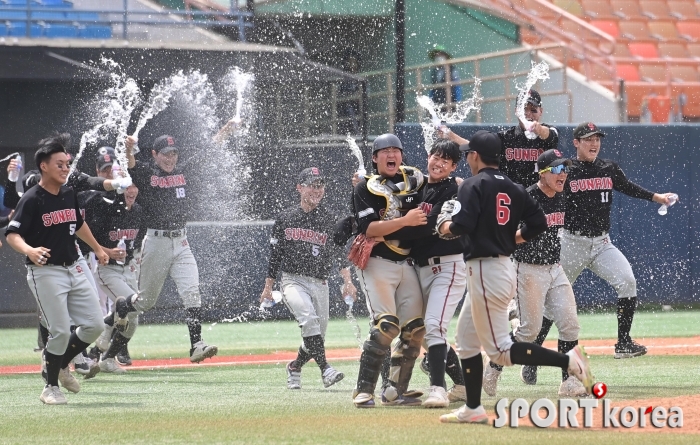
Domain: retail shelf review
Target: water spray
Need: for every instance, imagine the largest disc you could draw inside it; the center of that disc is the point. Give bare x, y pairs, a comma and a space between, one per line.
539, 71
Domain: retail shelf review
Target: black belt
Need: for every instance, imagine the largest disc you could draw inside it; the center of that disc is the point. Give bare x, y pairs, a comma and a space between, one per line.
170, 233
589, 234
61, 264
428, 262
407, 260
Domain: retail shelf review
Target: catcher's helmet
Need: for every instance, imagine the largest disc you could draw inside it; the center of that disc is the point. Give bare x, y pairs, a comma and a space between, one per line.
385, 141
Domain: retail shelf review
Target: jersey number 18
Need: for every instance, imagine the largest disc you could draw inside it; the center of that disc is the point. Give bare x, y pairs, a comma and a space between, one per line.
502, 212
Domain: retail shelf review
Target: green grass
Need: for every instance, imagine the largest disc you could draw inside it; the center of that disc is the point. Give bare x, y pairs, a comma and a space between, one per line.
250, 404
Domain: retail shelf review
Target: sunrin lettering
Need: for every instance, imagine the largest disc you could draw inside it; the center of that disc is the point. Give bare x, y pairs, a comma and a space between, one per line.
307, 235
59, 217
130, 234
523, 154
582, 185
166, 182
555, 219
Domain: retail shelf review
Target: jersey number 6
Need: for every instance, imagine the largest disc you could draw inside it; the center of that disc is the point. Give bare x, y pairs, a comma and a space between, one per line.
502, 212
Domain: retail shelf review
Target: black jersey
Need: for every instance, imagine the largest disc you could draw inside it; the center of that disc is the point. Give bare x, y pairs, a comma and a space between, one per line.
165, 197
427, 244
544, 248
491, 209
77, 181
302, 244
589, 196
519, 155
48, 220
110, 221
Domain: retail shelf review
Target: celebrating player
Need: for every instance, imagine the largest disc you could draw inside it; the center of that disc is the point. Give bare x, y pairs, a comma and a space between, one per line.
46, 222
384, 203
302, 248
489, 209
165, 195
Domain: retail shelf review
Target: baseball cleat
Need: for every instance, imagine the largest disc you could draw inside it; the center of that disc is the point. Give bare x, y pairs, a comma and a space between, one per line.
363, 400
457, 393
94, 370
202, 351
121, 310
123, 357
293, 377
437, 398
424, 365
629, 350
82, 364
491, 377
66, 379
413, 393
512, 310
110, 365
580, 368
572, 387
466, 415
391, 398
52, 395
528, 374
331, 376
105, 338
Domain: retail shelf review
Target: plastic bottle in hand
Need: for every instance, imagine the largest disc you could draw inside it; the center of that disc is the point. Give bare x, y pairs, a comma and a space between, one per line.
14, 174
276, 298
122, 246
664, 208
349, 301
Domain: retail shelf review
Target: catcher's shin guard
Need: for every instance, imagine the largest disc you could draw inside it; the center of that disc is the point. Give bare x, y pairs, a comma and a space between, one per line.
405, 353
374, 349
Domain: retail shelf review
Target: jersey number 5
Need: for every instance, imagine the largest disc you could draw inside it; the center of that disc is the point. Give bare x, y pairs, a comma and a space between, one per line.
71, 229
502, 212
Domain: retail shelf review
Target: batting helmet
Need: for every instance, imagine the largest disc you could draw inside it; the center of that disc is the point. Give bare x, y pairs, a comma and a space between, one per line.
385, 141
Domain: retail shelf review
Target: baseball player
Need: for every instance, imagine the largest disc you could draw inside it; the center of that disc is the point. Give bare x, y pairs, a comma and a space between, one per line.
165, 196
489, 209
585, 241
441, 272
303, 250
383, 203
541, 282
46, 222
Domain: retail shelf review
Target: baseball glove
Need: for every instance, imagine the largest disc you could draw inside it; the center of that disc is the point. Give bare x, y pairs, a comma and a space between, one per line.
446, 215
360, 250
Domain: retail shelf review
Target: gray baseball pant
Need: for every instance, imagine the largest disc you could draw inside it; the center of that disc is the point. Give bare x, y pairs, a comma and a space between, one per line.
119, 281
391, 287
307, 299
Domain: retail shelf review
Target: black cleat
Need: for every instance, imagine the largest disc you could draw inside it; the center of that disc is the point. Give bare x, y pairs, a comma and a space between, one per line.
123, 356
629, 349
528, 374
424, 365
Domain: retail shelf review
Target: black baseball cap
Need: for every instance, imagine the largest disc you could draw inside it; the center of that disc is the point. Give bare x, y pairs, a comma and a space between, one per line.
551, 158
105, 157
486, 143
310, 175
164, 144
534, 98
587, 129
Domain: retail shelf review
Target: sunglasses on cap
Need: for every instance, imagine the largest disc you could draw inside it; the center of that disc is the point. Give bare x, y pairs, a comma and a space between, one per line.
561, 168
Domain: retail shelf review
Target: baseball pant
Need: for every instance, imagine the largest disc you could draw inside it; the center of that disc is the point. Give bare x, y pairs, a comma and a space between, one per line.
307, 300
391, 287
105, 302
483, 320
601, 257
161, 256
539, 287
119, 281
443, 286
64, 293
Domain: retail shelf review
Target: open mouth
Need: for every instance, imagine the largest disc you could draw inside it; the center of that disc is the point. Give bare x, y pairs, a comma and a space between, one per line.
391, 164
560, 183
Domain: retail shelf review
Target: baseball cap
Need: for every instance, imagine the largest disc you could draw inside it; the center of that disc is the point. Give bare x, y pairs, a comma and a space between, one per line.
534, 98
486, 143
551, 158
105, 157
310, 175
164, 144
587, 129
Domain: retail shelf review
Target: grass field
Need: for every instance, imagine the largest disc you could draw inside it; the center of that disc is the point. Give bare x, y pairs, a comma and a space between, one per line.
250, 404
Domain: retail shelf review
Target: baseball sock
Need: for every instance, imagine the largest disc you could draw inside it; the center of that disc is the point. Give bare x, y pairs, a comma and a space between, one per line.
564, 347
193, 324
452, 367
544, 331
437, 358
625, 315
535, 355
53, 367
386, 366
302, 358
473, 371
118, 342
43, 336
314, 345
75, 346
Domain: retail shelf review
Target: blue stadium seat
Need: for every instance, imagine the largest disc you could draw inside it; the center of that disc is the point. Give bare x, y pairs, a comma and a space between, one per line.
46, 15
56, 3
95, 32
19, 29
16, 3
61, 31
3, 30
88, 16
12, 15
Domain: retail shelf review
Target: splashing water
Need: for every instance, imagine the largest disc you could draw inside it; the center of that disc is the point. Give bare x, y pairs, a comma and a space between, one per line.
358, 154
241, 80
159, 98
238, 82
437, 116
355, 327
8, 157
539, 71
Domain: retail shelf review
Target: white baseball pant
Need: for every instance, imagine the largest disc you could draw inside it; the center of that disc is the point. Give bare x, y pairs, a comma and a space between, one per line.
307, 299
391, 287
119, 281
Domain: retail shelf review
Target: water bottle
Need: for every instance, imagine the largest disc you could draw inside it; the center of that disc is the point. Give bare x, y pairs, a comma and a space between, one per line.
361, 172
14, 174
349, 301
122, 246
664, 208
136, 150
276, 298
116, 170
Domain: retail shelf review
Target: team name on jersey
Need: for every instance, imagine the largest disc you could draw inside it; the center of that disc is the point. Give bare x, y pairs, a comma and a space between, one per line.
523, 154
426, 207
582, 185
59, 217
555, 219
166, 182
115, 235
307, 235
